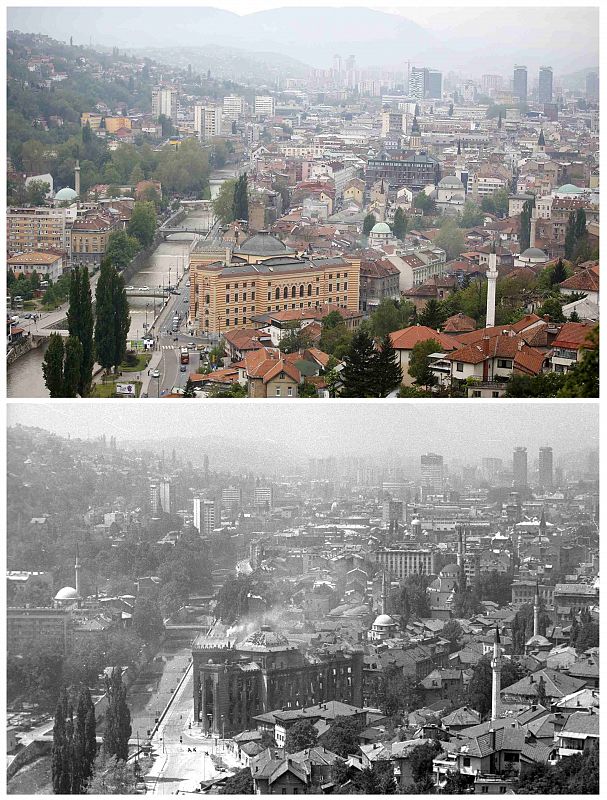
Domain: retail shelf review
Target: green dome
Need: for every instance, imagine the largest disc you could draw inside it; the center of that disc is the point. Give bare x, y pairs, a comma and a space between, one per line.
66, 194
381, 227
569, 188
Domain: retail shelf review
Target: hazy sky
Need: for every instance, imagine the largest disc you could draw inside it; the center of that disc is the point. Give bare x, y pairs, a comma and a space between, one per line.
316, 428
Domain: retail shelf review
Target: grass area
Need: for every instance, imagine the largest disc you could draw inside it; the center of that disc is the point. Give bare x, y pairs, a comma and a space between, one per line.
143, 360
108, 388
34, 778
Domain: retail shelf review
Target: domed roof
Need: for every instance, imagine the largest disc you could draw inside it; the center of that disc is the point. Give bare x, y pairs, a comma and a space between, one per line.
533, 252
264, 639
451, 182
568, 188
265, 245
66, 194
538, 640
450, 568
381, 227
383, 619
67, 593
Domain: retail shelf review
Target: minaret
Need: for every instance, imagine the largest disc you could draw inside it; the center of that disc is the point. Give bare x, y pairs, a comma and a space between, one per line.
77, 178
496, 668
77, 570
460, 558
532, 227
384, 595
491, 287
536, 611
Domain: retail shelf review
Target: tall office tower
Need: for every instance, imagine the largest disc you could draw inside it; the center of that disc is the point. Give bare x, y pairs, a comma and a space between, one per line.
392, 511
207, 121
264, 106
519, 83
592, 86
545, 85
519, 466
207, 516
417, 83
166, 492
351, 72
434, 88
545, 468
233, 107
336, 65
155, 499
432, 473
164, 101
263, 497
491, 83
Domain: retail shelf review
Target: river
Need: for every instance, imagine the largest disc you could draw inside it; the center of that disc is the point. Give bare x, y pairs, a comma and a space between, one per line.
165, 266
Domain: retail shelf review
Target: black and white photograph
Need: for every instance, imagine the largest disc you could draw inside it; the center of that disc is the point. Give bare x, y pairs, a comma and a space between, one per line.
346, 599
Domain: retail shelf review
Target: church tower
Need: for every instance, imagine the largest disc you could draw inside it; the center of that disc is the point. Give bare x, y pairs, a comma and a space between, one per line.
540, 147
415, 137
497, 663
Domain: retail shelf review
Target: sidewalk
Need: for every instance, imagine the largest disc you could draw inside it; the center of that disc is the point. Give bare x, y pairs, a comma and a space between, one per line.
146, 376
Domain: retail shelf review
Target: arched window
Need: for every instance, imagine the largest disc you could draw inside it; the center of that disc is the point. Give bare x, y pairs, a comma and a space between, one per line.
277, 294
286, 292
293, 291
301, 290
309, 290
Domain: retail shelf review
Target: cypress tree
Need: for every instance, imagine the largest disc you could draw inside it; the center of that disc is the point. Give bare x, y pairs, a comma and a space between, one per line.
189, 389
57, 765
122, 319
559, 274
52, 366
85, 744
105, 345
86, 333
118, 718
580, 224
525, 232
570, 236
72, 366
368, 223
388, 372
359, 371
400, 224
74, 310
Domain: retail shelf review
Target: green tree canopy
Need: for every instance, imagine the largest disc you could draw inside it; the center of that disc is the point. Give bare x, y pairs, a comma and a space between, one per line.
450, 238
360, 367
142, 225
419, 363
300, 736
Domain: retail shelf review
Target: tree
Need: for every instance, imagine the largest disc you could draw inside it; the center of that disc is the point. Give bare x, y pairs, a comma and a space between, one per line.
232, 602
189, 388
114, 776
239, 783
85, 743
359, 373
223, 204
451, 239
397, 693
546, 384
121, 249
583, 379
122, 318
558, 273
241, 198
142, 225
335, 338
432, 315
60, 772
471, 215
389, 373
452, 631
479, 688
421, 758
368, 223
113, 320
147, 620
295, 339
573, 775
522, 626
413, 600
84, 332
580, 224
570, 236
118, 718
342, 737
389, 316
552, 307
419, 364
52, 366
72, 367
300, 736
36, 192
424, 203
399, 229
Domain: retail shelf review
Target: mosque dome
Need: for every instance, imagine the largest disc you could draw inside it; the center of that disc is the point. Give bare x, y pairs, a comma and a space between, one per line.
67, 593
534, 254
383, 619
568, 188
66, 194
381, 227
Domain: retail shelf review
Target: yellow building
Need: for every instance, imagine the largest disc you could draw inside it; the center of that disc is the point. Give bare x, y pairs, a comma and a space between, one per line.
36, 228
113, 124
89, 238
93, 119
263, 275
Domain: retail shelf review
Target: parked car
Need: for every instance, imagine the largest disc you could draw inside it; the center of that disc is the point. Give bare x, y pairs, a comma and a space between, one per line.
156, 373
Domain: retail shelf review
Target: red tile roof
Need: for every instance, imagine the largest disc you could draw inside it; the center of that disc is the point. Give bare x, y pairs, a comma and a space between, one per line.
572, 336
407, 338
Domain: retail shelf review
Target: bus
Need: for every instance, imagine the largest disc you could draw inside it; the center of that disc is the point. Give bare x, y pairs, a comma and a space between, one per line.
184, 355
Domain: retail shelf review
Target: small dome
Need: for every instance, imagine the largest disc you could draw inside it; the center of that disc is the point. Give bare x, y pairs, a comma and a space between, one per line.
383, 619
66, 194
381, 227
534, 252
264, 639
569, 188
539, 641
449, 568
67, 593
451, 182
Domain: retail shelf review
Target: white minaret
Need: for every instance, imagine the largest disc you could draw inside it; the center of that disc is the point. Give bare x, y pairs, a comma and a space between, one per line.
384, 595
536, 611
532, 227
77, 570
496, 667
77, 178
491, 287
